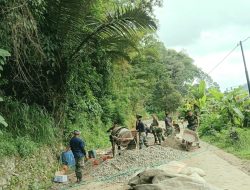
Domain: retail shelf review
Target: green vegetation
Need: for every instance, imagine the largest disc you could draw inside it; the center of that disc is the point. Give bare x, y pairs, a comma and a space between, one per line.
239, 148
3, 55
82, 65
224, 117
29, 127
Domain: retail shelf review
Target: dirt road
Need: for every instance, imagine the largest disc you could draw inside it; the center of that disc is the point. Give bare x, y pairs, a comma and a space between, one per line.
226, 174
222, 170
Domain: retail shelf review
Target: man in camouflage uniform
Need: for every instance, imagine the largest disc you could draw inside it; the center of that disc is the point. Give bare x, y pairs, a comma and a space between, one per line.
77, 146
156, 130
193, 122
140, 127
168, 124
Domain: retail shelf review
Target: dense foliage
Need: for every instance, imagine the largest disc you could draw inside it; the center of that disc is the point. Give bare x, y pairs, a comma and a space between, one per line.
84, 64
224, 117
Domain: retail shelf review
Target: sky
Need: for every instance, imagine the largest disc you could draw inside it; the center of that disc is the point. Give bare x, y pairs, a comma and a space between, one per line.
208, 30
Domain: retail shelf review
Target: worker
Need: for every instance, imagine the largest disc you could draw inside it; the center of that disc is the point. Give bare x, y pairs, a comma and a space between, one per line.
110, 130
176, 126
157, 130
153, 126
113, 131
77, 146
137, 119
140, 127
168, 124
193, 123
192, 120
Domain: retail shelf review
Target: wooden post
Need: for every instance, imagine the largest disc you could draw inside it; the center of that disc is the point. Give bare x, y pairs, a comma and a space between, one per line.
246, 72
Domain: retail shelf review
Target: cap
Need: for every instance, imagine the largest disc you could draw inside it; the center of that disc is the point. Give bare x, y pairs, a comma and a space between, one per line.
138, 116
76, 132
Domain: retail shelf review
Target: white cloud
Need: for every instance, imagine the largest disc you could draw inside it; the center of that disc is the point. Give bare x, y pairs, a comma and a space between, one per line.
208, 30
228, 74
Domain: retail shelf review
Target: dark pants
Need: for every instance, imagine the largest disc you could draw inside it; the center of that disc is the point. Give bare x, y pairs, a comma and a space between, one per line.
192, 127
79, 168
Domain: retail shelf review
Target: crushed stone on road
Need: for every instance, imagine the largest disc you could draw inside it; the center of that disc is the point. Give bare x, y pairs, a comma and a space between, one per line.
122, 167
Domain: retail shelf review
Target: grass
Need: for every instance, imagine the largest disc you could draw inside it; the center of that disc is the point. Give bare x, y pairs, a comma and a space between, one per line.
29, 128
17, 146
93, 131
240, 148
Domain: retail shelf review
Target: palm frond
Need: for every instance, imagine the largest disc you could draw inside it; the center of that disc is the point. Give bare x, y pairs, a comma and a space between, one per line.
125, 22
66, 18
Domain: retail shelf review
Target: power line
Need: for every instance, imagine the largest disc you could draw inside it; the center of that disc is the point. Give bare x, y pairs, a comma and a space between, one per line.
224, 58
245, 39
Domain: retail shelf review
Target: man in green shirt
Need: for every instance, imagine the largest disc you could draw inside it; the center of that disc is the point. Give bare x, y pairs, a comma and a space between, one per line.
193, 123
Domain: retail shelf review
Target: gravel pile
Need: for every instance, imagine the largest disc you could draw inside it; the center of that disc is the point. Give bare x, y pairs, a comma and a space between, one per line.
123, 166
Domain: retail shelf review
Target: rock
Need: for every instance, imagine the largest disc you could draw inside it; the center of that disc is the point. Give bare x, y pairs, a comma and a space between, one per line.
156, 179
173, 167
192, 170
149, 176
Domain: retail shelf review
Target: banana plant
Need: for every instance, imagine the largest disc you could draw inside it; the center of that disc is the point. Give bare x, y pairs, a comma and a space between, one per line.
230, 106
198, 97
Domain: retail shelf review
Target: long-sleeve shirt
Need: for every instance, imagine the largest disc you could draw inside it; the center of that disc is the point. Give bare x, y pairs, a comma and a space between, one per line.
192, 121
77, 147
140, 127
155, 122
168, 122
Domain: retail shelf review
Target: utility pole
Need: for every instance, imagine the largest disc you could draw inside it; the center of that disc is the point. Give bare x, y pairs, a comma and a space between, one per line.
247, 77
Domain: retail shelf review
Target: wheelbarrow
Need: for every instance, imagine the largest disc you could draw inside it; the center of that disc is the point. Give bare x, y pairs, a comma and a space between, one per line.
188, 138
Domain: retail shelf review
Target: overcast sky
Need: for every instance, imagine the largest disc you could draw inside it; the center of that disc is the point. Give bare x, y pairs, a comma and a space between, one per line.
207, 30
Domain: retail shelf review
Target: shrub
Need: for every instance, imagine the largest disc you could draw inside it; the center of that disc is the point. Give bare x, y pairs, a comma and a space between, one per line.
239, 148
211, 123
26, 120
8, 147
25, 146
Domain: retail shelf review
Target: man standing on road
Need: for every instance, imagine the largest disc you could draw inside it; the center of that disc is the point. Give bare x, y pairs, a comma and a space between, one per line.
140, 127
168, 124
193, 122
77, 146
156, 130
